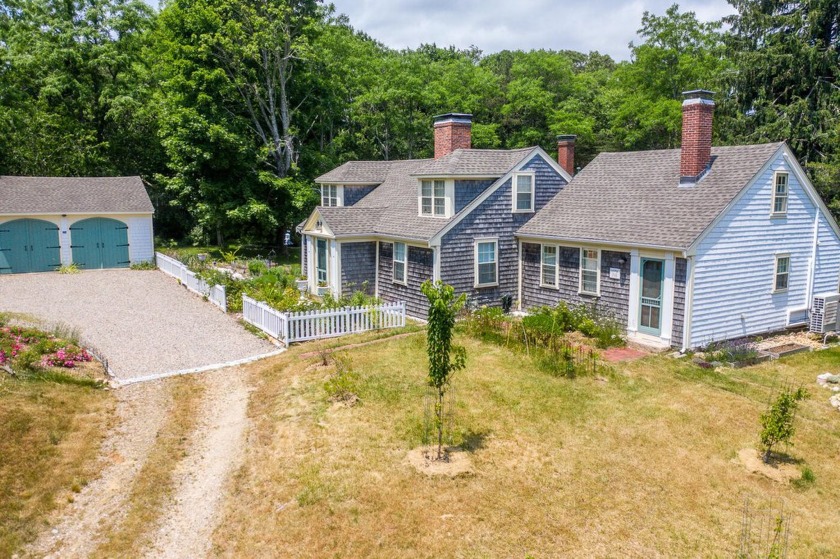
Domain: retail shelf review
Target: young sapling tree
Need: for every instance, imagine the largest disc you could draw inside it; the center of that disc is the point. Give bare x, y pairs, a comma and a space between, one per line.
777, 422
444, 357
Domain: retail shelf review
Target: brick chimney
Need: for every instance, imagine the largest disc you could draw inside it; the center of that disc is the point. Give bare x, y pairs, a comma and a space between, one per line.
566, 152
696, 153
452, 131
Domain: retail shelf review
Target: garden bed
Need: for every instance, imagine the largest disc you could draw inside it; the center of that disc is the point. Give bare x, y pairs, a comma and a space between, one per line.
786, 349
560, 340
27, 351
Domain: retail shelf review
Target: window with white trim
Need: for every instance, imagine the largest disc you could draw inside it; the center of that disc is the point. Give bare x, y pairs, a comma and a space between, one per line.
486, 263
590, 271
329, 195
523, 193
400, 253
782, 276
433, 197
548, 266
321, 261
780, 193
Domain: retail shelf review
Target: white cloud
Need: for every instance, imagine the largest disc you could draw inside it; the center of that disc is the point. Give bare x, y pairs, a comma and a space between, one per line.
493, 25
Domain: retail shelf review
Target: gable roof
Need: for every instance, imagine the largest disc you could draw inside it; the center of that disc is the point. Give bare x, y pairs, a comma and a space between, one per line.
73, 195
634, 198
350, 221
390, 210
473, 162
357, 172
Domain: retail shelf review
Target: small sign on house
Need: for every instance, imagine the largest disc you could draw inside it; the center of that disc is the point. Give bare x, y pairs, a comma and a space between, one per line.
615, 273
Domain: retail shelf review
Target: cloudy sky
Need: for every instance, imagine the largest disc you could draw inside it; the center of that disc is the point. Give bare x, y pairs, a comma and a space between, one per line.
493, 25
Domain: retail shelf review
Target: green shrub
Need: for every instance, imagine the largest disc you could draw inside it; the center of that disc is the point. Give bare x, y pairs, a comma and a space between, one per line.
257, 268
341, 386
544, 324
806, 480
487, 324
732, 352
69, 269
147, 265
777, 422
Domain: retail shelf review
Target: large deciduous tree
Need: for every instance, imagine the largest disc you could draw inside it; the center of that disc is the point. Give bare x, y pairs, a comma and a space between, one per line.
233, 75
74, 89
677, 53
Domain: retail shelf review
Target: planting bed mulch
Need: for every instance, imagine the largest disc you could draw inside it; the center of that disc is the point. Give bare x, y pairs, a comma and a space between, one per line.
786, 349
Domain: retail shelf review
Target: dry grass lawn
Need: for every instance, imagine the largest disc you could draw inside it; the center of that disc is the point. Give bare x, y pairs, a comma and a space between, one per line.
50, 433
639, 464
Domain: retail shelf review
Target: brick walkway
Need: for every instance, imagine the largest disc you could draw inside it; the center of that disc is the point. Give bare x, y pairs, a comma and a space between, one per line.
617, 354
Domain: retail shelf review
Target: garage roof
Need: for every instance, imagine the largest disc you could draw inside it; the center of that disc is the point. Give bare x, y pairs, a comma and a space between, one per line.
73, 195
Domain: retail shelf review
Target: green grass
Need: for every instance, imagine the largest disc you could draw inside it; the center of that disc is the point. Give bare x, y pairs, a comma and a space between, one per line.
634, 463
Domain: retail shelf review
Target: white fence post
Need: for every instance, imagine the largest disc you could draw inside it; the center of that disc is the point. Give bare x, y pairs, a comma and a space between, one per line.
289, 327
215, 294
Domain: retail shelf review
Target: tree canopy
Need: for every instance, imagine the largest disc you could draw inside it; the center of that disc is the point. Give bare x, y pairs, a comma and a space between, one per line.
229, 108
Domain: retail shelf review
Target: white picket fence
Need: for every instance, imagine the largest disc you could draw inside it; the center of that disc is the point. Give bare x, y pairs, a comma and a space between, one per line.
214, 293
289, 327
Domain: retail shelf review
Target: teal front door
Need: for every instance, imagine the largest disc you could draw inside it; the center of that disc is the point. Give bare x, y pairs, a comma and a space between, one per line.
650, 302
99, 242
29, 245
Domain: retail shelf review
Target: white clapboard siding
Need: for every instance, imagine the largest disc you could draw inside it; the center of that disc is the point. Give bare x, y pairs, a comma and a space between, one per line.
735, 263
215, 294
290, 327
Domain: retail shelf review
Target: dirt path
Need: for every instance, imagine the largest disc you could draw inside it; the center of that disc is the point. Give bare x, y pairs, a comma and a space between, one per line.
215, 452
141, 411
189, 516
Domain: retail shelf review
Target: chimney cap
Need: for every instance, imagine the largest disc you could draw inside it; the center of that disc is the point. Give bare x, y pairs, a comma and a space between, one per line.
703, 94
566, 137
464, 118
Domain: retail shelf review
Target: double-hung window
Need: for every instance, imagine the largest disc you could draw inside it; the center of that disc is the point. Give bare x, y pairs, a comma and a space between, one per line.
486, 263
590, 273
433, 198
780, 194
780, 282
329, 195
399, 262
523, 193
548, 264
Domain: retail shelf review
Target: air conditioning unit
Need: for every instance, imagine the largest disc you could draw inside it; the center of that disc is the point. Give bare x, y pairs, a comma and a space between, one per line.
824, 313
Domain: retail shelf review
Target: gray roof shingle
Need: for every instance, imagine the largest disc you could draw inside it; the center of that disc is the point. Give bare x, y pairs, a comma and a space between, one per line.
357, 172
634, 198
350, 221
73, 195
393, 204
473, 162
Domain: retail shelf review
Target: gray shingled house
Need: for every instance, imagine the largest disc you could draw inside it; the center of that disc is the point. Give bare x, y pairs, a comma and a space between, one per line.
93, 222
686, 246
388, 226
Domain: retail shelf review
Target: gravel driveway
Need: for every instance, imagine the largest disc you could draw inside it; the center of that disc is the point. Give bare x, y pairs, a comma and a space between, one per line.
142, 321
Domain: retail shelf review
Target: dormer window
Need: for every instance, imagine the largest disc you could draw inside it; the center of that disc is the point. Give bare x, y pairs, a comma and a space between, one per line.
433, 197
780, 194
331, 195
523, 193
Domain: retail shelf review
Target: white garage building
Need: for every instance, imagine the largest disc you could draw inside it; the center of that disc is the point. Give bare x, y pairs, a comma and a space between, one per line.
93, 222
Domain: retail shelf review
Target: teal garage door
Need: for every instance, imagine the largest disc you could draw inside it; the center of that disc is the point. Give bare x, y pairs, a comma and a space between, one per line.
99, 242
28, 245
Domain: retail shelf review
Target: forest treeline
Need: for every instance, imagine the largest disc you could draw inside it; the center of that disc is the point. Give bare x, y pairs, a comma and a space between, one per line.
229, 108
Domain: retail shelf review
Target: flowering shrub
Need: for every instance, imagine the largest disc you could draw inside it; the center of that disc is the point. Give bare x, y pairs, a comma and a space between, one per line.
66, 357
27, 348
